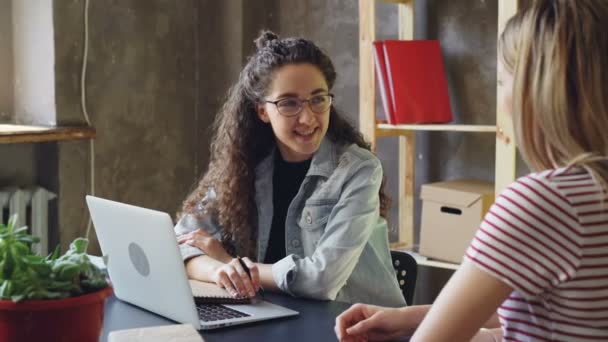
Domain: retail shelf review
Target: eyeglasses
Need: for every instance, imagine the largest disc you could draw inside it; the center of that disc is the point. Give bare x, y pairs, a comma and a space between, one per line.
292, 106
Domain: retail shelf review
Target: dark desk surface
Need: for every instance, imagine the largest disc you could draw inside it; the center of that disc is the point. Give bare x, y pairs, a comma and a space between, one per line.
314, 323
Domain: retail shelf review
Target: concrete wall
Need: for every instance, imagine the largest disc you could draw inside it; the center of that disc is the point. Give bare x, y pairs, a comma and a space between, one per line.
6, 61
146, 62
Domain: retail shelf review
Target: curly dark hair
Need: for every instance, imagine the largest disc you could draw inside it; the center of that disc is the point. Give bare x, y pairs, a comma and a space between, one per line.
241, 140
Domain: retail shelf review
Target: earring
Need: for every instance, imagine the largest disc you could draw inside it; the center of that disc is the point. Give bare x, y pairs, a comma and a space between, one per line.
500, 134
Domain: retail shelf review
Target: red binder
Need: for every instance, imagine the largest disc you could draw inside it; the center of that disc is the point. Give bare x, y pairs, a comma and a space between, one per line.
381, 75
416, 81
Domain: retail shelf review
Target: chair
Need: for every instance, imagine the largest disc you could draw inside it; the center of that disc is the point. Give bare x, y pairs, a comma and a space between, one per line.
406, 269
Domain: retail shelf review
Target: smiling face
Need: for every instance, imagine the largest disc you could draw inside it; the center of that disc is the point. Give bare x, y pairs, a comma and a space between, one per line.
298, 137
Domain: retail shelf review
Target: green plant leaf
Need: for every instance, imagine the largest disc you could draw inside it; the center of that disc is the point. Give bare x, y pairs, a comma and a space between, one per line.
19, 248
17, 298
11, 222
29, 239
39, 265
8, 265
5, 289
79, 245
25, 275
20, 230
68, 272
55, 254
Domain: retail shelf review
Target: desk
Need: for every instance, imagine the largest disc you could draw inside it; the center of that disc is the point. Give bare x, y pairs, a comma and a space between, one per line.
315, 322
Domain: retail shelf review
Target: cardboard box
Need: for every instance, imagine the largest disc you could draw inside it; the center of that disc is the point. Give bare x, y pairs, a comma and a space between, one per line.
451, 214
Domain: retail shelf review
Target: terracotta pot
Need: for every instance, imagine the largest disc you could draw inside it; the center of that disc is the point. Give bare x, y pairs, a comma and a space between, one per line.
65, 320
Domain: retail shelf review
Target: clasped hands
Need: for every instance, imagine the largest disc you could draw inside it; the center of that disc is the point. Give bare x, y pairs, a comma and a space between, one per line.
228, 272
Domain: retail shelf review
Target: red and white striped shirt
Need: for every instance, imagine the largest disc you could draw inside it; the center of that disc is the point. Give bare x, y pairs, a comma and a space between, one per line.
547, 237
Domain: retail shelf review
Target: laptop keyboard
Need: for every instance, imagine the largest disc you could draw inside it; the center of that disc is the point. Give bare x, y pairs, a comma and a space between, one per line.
216, 312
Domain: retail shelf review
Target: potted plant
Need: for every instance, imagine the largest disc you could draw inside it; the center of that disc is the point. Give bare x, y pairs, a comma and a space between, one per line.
53, 298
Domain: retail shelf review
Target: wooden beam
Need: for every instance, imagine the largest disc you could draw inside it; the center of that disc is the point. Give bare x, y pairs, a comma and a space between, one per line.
385, 130
367, 86
407, 155
407, 146
397, 1
406, 19
506, 151
12, 134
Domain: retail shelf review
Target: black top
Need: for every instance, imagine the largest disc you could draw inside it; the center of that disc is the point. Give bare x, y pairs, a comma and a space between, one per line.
286, 182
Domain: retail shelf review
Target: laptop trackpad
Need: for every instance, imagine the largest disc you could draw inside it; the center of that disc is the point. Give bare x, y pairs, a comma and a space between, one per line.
263, 309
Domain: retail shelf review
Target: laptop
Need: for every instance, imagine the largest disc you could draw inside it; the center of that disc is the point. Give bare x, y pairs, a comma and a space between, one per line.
146, 268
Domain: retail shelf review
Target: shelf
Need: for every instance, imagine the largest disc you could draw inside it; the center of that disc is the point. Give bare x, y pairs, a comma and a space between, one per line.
387, 130
396, 1
12, 134
373, 129
424, 261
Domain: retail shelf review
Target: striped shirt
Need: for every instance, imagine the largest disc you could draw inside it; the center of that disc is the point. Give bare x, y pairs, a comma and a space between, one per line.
546, 236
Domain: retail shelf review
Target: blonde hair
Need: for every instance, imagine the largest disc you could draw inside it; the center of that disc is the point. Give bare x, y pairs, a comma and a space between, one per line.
557, 52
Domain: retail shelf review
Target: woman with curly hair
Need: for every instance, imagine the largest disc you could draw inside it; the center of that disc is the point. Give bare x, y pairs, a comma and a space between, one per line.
292, 186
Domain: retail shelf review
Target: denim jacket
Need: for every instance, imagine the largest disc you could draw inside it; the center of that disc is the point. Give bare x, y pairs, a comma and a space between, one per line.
336, 242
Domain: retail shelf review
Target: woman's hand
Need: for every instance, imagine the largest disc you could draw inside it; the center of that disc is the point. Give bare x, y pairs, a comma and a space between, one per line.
369, 322
208, 244
233, 277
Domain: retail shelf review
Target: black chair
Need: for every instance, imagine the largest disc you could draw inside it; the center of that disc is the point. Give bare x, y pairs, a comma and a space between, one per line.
406, 269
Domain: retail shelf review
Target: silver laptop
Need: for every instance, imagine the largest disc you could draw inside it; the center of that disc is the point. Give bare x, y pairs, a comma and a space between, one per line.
146, 268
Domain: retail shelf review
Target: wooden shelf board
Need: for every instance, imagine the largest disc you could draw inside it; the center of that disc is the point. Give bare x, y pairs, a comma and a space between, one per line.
12, 133
396, 1
425, 261
399, 245
387, 130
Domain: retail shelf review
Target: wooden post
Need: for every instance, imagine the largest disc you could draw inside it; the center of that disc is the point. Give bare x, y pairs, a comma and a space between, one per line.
407, 148
505, 139
367, 90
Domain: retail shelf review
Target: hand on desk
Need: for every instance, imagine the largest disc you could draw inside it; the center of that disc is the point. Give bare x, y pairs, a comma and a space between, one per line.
236, 280
230, 273
369, 322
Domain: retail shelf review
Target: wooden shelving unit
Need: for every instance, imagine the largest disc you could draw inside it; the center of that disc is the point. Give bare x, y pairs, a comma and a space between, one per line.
372, 130
386, 130
13, 134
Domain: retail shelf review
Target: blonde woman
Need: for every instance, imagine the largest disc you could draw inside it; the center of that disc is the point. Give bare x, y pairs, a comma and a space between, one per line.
539, 256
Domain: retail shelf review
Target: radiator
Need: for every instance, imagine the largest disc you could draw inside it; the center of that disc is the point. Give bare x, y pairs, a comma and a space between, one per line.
32, 208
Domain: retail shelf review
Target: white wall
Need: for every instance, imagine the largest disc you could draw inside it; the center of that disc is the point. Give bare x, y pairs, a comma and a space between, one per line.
33, 61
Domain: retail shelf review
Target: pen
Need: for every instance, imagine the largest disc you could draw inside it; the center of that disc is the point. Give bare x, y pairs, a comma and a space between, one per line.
245, 267
261, 291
